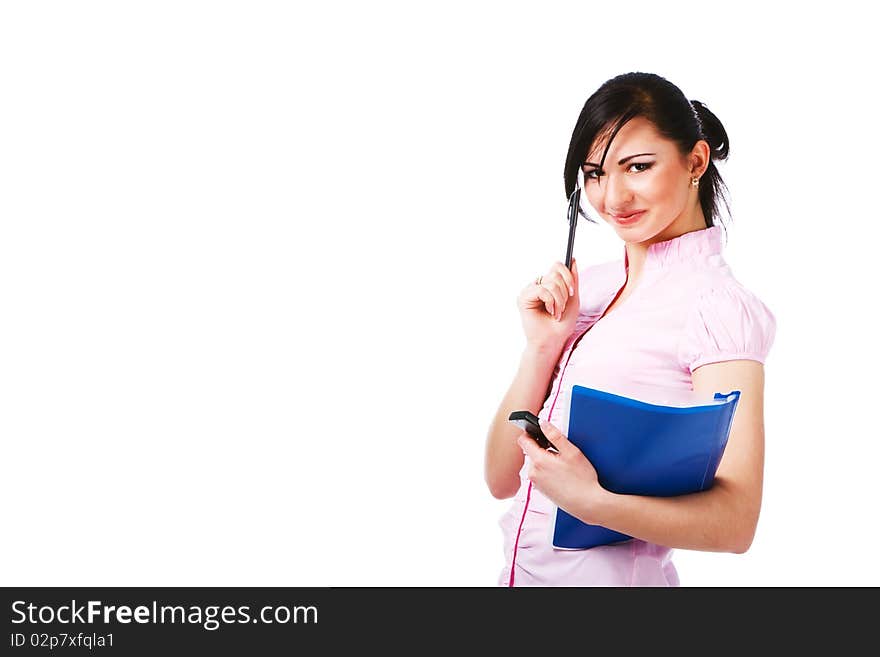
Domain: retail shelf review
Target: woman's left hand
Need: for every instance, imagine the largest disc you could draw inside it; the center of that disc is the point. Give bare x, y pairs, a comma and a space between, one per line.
566, 477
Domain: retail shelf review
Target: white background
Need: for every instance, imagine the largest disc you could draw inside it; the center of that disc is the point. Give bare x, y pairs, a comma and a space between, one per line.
259, 264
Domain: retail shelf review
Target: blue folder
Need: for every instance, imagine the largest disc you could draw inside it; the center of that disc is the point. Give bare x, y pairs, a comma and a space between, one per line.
642, 448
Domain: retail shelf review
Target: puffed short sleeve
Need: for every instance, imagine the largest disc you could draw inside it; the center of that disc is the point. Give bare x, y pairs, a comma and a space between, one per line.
728, 322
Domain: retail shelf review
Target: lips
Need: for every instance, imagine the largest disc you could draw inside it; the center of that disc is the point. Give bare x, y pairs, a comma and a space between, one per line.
628, 218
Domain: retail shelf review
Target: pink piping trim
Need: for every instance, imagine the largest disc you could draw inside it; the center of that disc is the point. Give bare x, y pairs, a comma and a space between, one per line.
529, 492
518, 532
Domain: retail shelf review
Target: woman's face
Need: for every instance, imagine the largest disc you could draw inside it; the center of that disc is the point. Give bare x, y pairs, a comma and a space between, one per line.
643, 172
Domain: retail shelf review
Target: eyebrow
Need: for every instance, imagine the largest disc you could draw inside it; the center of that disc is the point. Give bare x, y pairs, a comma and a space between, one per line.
628, 157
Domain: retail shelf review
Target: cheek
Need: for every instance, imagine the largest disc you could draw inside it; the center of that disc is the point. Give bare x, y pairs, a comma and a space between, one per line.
592, 196
658, 189
654, 190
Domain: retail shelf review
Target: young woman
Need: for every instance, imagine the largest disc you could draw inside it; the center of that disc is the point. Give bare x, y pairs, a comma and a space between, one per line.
670, 315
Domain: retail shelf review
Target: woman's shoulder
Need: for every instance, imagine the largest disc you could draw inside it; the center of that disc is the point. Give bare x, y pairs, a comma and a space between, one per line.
719, 283
727, 321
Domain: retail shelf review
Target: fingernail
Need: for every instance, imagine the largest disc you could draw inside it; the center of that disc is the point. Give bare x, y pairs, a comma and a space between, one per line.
570, 291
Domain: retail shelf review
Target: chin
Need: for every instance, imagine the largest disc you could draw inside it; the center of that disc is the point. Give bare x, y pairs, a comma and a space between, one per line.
636, 233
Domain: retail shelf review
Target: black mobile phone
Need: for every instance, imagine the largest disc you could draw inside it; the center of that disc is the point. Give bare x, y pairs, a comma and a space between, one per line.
528, 422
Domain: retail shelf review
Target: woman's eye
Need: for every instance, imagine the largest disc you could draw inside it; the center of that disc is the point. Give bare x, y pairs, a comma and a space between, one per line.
589, 175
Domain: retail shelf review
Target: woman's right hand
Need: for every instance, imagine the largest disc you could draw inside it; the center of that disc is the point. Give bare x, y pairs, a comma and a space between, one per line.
549, 311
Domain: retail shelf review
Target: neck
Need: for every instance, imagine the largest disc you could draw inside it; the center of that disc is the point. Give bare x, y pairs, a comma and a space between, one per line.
637, 252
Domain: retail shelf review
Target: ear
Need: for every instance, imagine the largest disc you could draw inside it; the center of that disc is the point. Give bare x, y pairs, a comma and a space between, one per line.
698, 160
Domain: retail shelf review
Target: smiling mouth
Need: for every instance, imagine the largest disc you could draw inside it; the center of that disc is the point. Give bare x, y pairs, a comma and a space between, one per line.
626, 219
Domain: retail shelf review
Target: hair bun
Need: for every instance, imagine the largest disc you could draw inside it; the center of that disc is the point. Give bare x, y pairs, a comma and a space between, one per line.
713, 131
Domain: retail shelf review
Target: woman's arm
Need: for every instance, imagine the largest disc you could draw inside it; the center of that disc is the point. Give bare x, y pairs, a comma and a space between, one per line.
504, 458
723, 518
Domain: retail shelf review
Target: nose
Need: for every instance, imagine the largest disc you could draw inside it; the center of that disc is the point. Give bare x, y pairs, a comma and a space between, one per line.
616, 194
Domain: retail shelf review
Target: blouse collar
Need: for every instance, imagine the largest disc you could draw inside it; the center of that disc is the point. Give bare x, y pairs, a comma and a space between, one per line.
690, 247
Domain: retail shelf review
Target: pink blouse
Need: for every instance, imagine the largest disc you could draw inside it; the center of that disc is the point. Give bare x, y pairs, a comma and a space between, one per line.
686, 310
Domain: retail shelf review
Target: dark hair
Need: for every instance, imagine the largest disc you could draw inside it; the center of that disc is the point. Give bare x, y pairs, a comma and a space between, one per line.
653, 97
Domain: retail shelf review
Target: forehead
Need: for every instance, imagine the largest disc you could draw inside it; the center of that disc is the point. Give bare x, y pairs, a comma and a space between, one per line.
635, 133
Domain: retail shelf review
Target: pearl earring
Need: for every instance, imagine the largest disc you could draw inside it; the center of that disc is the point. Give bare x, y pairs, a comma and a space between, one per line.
695, 181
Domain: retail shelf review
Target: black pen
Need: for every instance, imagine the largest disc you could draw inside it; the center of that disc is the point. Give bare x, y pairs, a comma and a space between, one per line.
573, 204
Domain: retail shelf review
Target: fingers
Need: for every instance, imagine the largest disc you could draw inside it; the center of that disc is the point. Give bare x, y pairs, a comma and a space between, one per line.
557, 287
534, 296
531, 448
555, 436
566, 276
545, 295
554, 286
562, 285
528, 446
